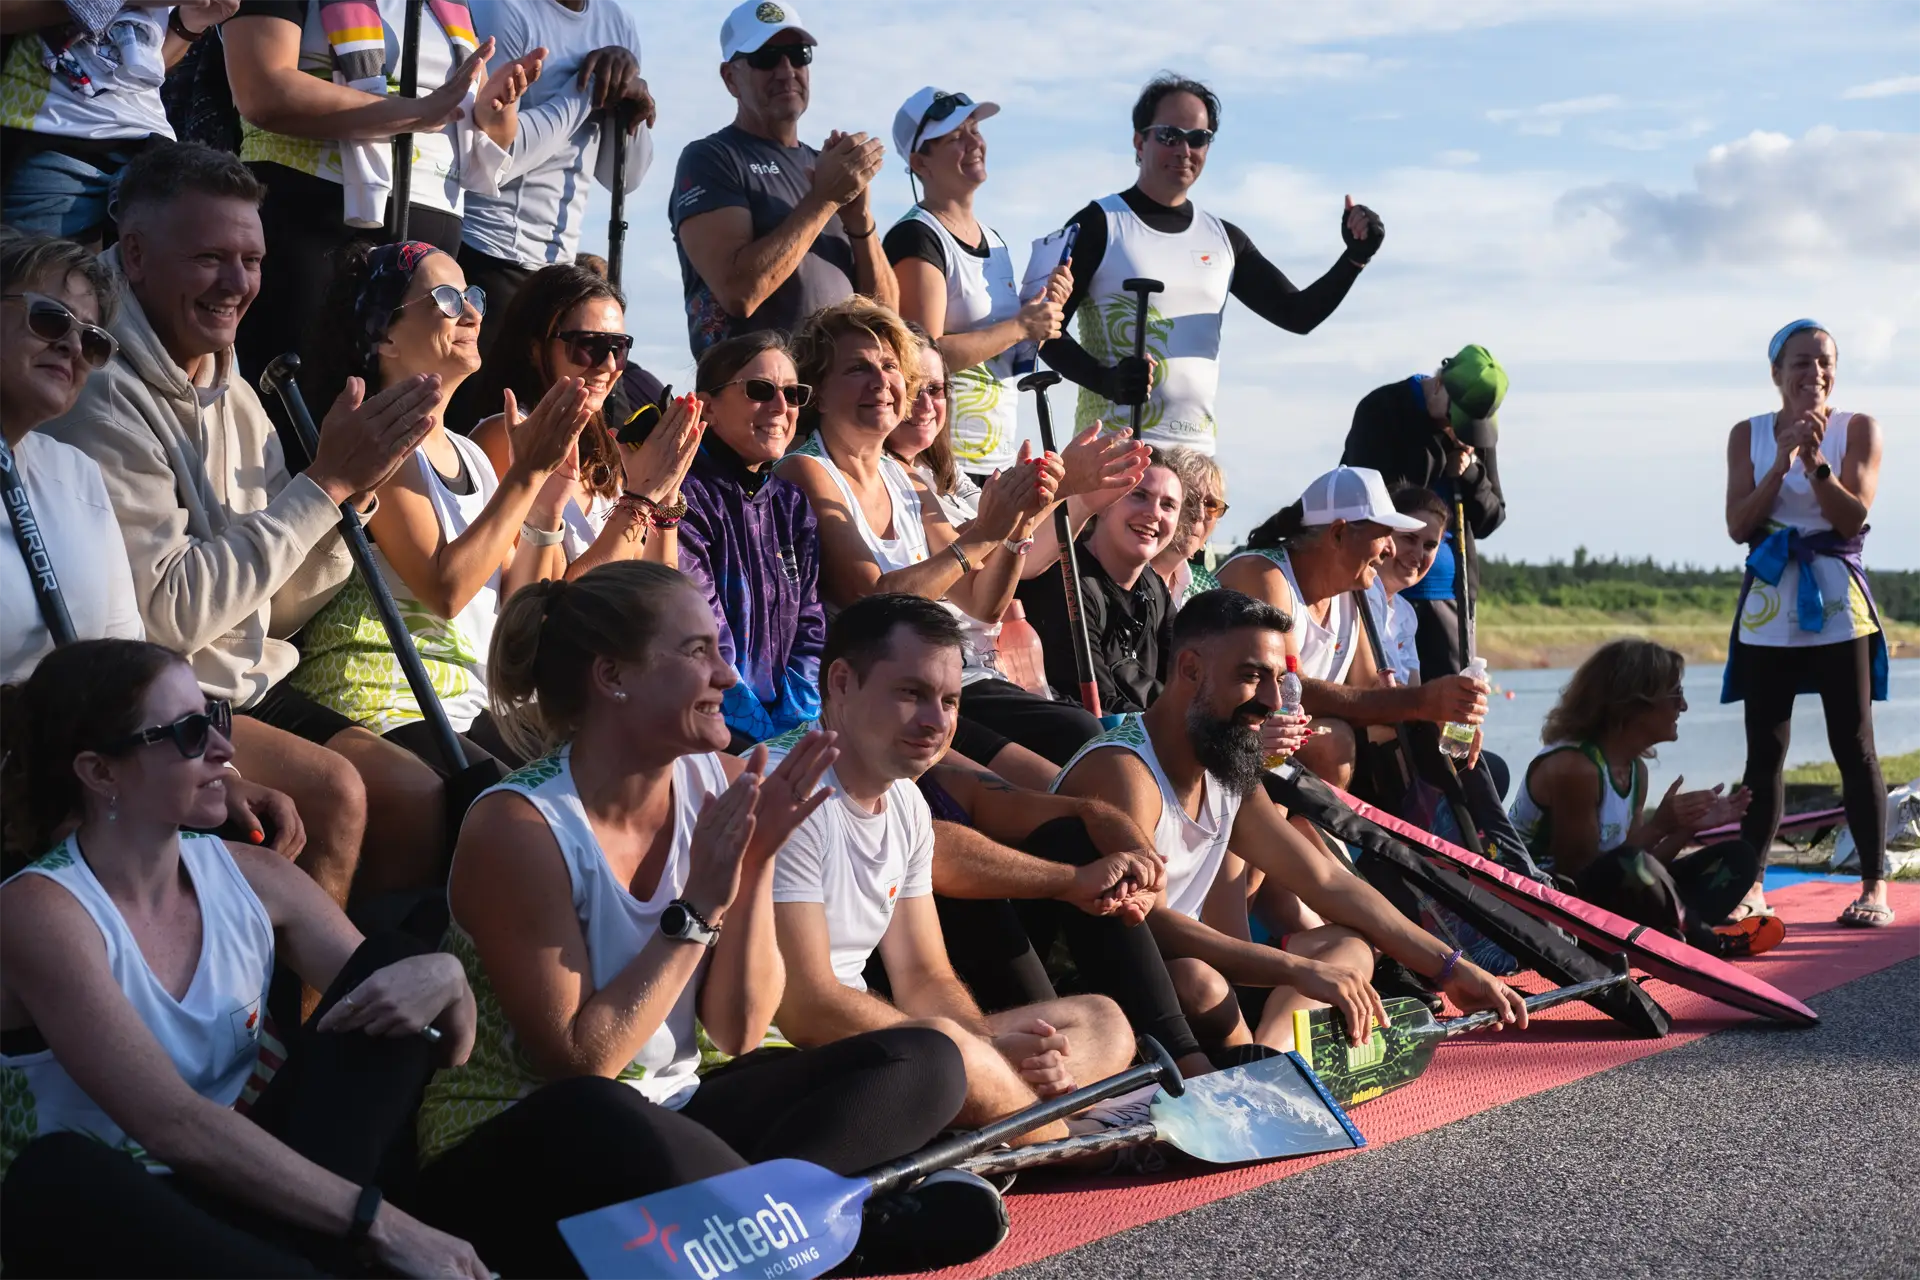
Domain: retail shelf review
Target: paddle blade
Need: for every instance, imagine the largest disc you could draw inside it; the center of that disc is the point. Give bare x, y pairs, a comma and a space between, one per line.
1392, 1056
785, 1217
1261, 1111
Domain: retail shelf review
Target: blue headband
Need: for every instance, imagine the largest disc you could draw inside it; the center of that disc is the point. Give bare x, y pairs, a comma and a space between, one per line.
1779, 342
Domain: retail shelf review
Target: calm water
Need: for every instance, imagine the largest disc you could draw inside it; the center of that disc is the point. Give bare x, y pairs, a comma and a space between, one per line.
1713, 745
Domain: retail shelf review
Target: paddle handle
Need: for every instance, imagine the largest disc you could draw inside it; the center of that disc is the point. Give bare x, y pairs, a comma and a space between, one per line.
402, 197
1158, 1069
1560, 995
1081, 642
1014, 1159
614, 126
1141, 288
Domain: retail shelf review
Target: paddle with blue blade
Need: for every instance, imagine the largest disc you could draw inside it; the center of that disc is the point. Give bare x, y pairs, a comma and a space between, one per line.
1265, 1110
791, 1218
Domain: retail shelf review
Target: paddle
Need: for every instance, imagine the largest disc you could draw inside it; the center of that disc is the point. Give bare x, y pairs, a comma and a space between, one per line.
1263, 1110
33, 550
1069, 555
1141, 288
791, 1218
465, 779
1397, 1055
616, 121
1462, 589
402, 197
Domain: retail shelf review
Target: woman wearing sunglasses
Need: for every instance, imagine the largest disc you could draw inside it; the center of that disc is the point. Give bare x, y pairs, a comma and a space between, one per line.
1153, 230
749, 541
448, 528
54, 295
615, 501
147, 1129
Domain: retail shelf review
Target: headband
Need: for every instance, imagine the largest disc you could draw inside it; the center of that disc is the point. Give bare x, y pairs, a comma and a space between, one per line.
1779, 342
390, 269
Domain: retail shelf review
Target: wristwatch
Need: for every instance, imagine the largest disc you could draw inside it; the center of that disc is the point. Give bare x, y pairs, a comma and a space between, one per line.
683, 922
1823, 472
1019, 546
543, 537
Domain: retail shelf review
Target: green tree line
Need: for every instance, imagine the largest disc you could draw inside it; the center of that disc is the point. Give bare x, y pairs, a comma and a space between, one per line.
1614, 585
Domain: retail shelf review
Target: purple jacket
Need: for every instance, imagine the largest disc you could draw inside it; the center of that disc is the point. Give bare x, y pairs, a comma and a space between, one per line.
750, 543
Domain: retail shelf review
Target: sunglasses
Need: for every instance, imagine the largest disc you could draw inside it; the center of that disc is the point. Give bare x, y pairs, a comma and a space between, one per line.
1166, 135
934, 390
761, 390
189, 734
1213, 507
50, 321
944, 105
452, 301
590, 348
769, 56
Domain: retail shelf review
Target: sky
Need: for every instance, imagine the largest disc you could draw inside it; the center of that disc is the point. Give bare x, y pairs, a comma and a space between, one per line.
1622, 199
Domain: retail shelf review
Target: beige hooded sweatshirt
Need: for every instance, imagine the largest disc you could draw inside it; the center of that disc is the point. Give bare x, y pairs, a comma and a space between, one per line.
230, 554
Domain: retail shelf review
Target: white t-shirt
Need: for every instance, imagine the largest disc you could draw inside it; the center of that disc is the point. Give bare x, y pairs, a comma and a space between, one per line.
1398, 625
98, 88
82, 536
858, 865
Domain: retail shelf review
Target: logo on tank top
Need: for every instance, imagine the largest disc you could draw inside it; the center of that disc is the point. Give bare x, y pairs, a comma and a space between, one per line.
1205, 258
762, 169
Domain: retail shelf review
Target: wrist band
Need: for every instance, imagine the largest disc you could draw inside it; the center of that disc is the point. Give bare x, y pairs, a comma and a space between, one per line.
965, 565
365, 1210
542, 537
1446, 970
179, 28
1019, 546
862, 235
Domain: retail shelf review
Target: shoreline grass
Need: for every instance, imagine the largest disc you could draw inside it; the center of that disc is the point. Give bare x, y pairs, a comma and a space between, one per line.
1898, 771
1517, 636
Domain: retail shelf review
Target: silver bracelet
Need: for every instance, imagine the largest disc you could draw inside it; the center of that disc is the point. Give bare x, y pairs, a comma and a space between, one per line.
542, 537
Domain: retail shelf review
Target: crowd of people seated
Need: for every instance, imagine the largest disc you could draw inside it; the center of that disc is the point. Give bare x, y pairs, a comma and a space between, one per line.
788, 856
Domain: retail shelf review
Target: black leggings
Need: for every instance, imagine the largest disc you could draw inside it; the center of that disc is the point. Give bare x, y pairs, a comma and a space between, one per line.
587, 1142
1843, 676
996, 948
1051, 730
1685, 897
73, 1206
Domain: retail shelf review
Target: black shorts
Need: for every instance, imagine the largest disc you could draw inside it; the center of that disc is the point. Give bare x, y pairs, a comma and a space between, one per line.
977, 742
285, 708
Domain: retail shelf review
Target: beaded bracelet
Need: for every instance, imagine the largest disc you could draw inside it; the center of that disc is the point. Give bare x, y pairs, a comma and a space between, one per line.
1446, 970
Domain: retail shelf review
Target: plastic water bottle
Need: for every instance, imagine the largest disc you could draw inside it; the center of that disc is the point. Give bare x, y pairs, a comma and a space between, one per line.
1456, 739
1290, 694
1017, 653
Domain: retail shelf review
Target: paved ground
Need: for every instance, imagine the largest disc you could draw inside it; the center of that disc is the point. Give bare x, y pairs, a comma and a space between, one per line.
1757, 1152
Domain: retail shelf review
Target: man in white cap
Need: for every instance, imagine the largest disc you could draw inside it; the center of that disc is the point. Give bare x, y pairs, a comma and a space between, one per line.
770, 229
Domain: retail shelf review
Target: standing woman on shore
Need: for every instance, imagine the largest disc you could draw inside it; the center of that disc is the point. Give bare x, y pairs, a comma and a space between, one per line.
1800, 482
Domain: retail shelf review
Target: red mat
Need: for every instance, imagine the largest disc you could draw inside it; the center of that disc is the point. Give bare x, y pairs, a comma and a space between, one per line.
1476, 1073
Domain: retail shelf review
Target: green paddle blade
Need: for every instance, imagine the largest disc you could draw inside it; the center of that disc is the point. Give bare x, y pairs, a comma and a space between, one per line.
1392, 1056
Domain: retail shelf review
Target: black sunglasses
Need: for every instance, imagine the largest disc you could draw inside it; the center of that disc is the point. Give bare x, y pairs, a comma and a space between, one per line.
50, 321
761, 390
189, 733
944, 105
590, 348
450, 300
1166, 135
768, 56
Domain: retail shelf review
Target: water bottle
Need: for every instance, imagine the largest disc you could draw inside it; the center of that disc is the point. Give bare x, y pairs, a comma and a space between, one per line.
1290, 692
1456, 739
1017, 654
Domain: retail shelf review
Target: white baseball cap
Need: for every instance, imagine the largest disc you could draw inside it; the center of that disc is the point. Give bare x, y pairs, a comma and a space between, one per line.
754, 23
913, 127
1353, 494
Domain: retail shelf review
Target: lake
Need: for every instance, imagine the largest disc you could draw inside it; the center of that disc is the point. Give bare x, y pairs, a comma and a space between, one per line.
1713, 741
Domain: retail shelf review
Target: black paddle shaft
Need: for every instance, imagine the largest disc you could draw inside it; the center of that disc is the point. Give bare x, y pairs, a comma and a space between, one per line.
614, 128
1462, 589
1141, 288
279, 379
34, 553
1069, 556
403, 142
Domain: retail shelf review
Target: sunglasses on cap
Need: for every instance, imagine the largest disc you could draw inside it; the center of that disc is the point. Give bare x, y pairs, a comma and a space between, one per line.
1167, 135
768, 56
943, 105
50, 321
590, 348
761, 390
189, 734
450, 300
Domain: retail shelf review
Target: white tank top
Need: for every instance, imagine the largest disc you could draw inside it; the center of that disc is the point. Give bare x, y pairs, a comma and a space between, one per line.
1770, 617
1617, 807
1326, 649
1193, 847
615, 924
1183, 323
579, 528
211, 1034
980, 292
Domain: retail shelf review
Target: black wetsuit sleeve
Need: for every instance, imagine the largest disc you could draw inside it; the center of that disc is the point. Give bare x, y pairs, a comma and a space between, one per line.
1274, 298
1063, 353
912, 238
1479, 491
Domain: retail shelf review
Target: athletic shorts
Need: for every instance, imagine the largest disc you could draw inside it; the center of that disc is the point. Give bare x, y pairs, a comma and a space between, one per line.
977, 742
285, 708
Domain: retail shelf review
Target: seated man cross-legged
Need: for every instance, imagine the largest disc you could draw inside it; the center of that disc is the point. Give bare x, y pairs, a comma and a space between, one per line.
1189, 771
856, 877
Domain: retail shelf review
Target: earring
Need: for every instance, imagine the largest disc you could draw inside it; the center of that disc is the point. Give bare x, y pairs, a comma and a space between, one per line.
113, 807
619, 695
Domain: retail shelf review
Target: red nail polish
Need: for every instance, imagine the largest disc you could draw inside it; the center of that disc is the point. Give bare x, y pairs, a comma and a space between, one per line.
258, 835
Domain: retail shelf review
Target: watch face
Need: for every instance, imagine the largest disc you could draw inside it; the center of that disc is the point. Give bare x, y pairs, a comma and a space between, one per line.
673, 921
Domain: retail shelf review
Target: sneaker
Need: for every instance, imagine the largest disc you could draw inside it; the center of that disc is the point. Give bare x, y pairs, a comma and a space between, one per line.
1751, 936
946, 1219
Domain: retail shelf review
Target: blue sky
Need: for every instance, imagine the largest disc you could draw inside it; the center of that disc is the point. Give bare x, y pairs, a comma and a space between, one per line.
1622, 200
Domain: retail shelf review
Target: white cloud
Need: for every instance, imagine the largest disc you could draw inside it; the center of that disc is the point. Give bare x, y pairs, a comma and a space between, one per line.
1892, 88
1548, 118
1456, 159
1653, 139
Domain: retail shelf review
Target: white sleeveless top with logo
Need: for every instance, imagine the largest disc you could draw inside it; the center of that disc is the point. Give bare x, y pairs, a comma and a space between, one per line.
1326, 648
980, 292
615, 924
581, 527
1617, 807
1183, 323
346, 662
1193, 847
1770, 618
211, 1034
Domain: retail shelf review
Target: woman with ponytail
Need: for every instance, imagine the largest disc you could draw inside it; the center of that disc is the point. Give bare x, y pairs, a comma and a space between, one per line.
612, 904
136, 1137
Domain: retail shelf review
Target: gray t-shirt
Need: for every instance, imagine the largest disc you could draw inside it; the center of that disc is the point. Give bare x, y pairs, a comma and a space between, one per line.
735, 169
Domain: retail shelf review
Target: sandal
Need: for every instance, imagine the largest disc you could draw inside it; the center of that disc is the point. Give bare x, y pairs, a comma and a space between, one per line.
1866, 915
